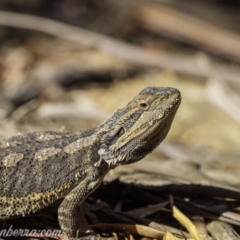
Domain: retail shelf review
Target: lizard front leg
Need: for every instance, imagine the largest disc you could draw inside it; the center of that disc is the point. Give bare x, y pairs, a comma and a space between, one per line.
67, 211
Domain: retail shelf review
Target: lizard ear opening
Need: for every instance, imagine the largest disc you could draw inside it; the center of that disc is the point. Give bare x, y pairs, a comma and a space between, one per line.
116, 136
120, 132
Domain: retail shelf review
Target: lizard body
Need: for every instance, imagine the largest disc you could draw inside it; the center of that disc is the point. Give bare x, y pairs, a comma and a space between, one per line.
38, 168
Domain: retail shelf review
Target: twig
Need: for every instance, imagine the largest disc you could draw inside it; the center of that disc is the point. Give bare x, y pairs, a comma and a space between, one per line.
186, 28
137, 55
221, 95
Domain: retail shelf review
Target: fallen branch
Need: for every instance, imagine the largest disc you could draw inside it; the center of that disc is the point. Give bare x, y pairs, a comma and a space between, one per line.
188, 29
137, 55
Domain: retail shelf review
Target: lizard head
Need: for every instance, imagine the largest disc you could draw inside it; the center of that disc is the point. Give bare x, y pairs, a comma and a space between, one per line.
138, 128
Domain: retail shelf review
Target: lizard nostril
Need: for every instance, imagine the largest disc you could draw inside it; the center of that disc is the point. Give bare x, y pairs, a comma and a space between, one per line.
164, 98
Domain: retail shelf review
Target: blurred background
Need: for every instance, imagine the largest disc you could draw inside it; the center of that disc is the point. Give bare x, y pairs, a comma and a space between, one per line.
68, 65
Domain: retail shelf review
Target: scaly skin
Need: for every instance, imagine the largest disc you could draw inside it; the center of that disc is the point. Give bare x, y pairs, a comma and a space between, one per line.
79, 161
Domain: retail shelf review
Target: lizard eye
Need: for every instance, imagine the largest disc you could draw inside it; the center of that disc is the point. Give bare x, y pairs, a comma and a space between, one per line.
143, 105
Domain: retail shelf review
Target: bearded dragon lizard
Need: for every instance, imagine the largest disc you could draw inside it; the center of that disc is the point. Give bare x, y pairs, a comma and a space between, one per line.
38, 168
